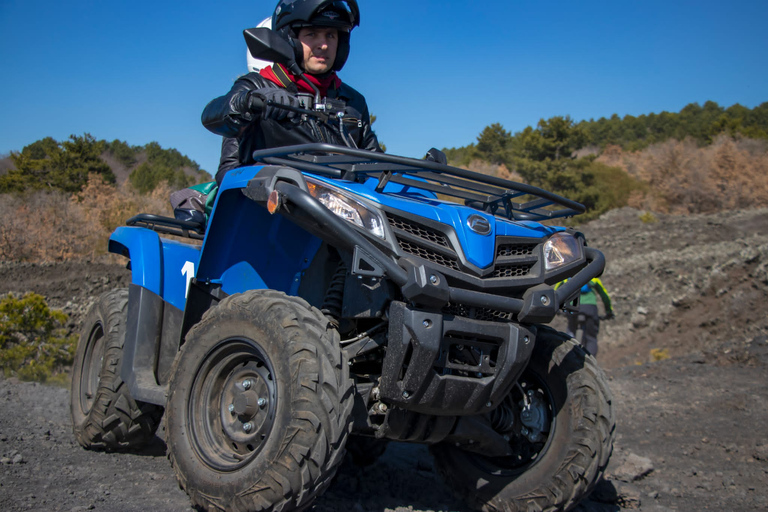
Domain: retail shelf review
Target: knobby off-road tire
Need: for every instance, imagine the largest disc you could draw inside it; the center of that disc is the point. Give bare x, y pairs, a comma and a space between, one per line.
260, 406
574, 454
104, 415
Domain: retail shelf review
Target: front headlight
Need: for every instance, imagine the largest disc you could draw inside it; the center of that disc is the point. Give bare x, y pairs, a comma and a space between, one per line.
346, 207
560, 250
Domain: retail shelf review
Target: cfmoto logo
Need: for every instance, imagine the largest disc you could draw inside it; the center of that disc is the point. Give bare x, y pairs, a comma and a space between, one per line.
479, 224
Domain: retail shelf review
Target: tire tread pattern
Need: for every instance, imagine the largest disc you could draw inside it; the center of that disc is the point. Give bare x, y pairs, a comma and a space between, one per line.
312, 446
115, 422
589, 449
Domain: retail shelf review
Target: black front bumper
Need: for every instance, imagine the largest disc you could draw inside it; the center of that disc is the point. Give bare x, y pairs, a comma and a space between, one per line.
446, 365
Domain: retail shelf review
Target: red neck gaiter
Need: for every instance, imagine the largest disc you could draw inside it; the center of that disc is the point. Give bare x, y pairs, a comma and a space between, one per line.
322, 84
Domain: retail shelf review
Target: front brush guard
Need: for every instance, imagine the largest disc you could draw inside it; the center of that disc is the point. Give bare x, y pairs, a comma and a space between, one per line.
420, 284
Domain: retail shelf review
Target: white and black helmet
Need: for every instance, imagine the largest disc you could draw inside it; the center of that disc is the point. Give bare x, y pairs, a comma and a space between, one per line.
291, 15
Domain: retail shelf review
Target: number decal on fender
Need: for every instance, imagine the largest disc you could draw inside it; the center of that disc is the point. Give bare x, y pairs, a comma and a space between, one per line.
188, 271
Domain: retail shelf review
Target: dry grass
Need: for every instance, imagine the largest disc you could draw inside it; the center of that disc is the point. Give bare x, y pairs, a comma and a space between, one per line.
53, 226
685, 178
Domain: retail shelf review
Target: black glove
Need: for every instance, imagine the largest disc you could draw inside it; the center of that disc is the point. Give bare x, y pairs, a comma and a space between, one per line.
257, 101
609, 315
435, 155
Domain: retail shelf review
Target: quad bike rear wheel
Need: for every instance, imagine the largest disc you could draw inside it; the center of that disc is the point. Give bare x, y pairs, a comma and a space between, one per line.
560, 424
104, 415
260, 405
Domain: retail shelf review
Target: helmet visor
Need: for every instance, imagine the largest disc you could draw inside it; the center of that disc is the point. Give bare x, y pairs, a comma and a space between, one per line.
338, 14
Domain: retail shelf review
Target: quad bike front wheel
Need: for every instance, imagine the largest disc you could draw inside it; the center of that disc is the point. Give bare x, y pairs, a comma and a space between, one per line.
260, 405
560, 424
104, 415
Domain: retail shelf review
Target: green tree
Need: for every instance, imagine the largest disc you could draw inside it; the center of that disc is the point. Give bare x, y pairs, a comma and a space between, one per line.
493, 144
147, 176
65, 166
122, 152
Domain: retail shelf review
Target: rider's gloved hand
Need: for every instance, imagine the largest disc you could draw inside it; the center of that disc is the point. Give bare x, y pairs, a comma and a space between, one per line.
435, 155
258, 101
609, 315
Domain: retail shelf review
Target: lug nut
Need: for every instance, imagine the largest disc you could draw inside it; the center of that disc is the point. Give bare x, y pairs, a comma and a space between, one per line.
262, 402
247, 427
231, 408
246, 384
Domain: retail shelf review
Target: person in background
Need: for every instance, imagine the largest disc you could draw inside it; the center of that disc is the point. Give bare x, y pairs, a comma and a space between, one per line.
587, 317
319, 31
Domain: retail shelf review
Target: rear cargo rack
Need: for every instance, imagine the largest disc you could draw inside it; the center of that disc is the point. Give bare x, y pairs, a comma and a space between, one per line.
168, 225
504, 198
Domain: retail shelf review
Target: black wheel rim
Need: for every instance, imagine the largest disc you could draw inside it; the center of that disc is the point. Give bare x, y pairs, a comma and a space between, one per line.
527, 453
91, 371
232, 404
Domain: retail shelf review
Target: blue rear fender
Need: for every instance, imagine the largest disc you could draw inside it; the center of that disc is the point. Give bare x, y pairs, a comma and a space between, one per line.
164, 267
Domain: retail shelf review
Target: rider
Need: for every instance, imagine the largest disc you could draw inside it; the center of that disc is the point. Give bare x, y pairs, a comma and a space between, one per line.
588, 308
319, 31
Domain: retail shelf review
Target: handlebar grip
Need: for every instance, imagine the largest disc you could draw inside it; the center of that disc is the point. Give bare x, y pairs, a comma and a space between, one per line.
256, 103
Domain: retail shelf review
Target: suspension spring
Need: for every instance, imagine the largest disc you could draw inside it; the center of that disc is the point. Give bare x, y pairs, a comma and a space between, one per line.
334, 296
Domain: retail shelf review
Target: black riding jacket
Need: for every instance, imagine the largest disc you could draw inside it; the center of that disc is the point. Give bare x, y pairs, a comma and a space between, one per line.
246, 132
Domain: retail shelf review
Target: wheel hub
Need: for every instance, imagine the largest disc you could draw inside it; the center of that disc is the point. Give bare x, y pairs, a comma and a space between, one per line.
233, 402
244, 407
533, 416
246, 404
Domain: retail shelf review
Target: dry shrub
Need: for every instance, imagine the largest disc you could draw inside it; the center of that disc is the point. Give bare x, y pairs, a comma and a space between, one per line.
44, 226
111, 206
54, 226
686, 178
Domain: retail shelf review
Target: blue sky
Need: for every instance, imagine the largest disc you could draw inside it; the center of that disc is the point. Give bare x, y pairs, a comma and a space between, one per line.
434, 72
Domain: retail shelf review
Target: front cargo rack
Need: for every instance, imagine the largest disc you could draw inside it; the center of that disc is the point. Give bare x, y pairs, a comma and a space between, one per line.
504, 198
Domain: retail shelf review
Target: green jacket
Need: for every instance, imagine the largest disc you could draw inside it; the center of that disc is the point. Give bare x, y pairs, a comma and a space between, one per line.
594, 289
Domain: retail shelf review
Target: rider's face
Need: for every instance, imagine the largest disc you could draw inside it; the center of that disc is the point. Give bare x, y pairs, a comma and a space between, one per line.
320, 45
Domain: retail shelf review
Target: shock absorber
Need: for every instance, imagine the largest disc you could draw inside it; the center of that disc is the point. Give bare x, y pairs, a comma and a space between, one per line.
503, 418
334, 296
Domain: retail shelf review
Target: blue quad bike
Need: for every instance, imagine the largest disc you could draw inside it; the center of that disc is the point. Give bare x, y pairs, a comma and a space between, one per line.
337, 299
340, 299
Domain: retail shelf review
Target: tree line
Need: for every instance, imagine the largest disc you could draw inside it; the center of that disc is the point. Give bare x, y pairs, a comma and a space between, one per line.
548, 155
65, 166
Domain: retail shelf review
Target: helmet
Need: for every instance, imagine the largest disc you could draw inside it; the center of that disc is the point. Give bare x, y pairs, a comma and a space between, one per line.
254, 64
291, 15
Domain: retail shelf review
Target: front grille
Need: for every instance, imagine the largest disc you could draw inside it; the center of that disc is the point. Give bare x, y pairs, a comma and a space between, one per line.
486, 314
429, 255
511, 250
418, 230
424, 242
515, 258
514, 270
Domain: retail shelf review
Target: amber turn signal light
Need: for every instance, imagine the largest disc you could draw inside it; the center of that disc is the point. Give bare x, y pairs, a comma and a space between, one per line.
273, 203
